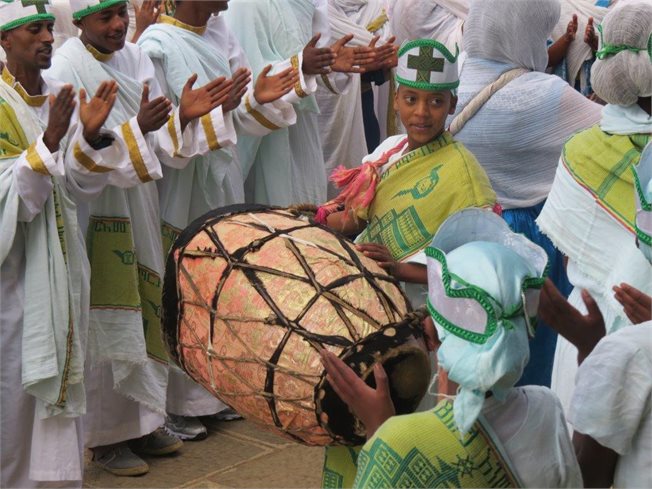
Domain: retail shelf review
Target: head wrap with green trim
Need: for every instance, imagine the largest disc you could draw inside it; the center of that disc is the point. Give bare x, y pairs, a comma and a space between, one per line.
484, 283
622, 72
14, 13
83, 8
426, 64
643, 185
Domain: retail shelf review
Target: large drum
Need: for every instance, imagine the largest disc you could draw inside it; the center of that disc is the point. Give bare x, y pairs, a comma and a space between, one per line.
251, 294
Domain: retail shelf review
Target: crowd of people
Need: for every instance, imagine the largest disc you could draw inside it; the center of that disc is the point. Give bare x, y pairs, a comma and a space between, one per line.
494, 156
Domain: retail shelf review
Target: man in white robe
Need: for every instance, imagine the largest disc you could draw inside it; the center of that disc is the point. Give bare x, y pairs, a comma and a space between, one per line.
289, 164
204, 44
127, 362
341, 120
52, 156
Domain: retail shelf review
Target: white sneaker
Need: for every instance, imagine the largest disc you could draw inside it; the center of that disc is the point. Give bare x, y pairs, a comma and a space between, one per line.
186, 428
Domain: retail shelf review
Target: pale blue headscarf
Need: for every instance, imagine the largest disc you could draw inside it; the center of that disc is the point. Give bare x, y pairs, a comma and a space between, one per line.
483, 292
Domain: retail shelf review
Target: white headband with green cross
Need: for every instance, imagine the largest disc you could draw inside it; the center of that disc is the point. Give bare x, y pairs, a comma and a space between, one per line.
82, 8
426, 64
14, 13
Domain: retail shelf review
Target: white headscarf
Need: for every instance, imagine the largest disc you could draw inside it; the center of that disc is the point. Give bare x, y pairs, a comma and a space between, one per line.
511, 31
438, 19
622, 77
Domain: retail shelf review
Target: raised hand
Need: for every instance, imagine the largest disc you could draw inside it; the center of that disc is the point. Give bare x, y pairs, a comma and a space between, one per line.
371, 406
146, 15
61, 109
271, 88
93, 114
386, 55
241, 79
590, 37
351, 59
153, 113
571, 29
317, 61
636, 304
195, 103
582, 331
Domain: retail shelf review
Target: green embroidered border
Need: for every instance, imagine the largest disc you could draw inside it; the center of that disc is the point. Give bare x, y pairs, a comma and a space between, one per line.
482, 297
25, 20
96, 8
645, 205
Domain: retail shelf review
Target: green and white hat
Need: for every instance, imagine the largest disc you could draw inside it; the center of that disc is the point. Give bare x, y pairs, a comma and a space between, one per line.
14, 13
426, 64
643, 185
82, 8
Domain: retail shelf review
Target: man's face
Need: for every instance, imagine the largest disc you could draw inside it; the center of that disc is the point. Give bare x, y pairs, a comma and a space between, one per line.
217, 6
30, 44
106, 30
423, 113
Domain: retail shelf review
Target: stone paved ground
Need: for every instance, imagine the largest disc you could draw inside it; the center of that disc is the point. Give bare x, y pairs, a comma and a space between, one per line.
235, 454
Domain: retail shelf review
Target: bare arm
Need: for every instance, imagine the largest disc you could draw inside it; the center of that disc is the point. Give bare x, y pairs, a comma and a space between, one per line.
597, 463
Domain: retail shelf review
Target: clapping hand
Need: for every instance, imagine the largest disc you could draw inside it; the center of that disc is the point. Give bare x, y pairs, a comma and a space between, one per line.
61, 108
636, 304
271, 88
241, 79
371, 406
146, 15
571, 29
386, 55
351, 59
195, 103
153, 114
583, 331
589, 35
93, 114
317, 61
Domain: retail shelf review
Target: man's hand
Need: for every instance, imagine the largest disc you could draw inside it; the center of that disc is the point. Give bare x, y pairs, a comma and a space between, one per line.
271, 88
371, 406
386, 55
146, 15
199, 102
93, 114
380, 254
61, 109
317, 61
582, 331
351, 59
153, 114
637, 305
241, 79
589, 35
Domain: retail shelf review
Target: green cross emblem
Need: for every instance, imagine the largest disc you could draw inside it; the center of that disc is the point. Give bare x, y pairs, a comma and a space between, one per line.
39, 4
425, 64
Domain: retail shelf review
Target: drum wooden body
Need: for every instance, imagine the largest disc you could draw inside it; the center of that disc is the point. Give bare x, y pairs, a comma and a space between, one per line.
251, 293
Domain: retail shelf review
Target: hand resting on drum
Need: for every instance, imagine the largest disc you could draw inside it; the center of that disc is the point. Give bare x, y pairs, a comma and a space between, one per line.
371, 406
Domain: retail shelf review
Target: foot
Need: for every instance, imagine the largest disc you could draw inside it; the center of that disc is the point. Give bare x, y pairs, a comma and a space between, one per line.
119, 460
227, 414
156, 443
186, 428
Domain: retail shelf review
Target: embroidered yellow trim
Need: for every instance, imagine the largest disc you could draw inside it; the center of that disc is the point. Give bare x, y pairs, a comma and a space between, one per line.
31, 100
260, 118
294, 60
87, 162
328, 85
172, 131
103, 57
35, 161
166, 19
378, 22
134, 153
209, 130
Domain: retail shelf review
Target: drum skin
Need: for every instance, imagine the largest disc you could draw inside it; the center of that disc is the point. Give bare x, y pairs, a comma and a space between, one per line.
250, 295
